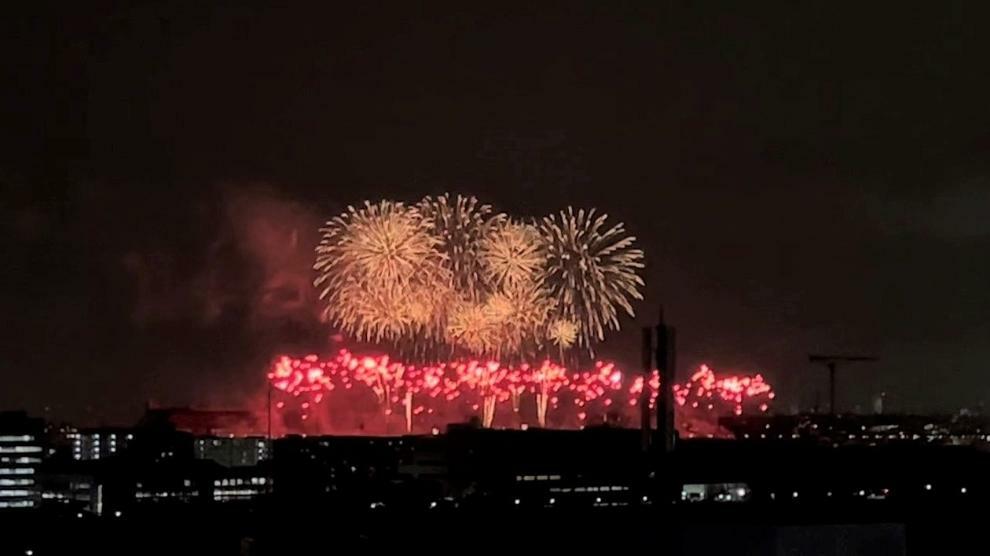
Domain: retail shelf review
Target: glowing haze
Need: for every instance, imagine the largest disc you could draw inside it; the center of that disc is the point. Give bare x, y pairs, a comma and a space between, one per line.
325, 394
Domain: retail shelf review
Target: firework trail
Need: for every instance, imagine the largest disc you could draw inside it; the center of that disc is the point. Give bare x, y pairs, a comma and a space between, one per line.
591, 271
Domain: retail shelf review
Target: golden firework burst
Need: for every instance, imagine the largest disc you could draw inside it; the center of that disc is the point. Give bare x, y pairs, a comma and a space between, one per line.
512, 254
591, 271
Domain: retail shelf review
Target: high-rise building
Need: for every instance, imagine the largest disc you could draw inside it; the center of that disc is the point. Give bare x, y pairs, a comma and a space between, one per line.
90, 444
21, 451
232, 451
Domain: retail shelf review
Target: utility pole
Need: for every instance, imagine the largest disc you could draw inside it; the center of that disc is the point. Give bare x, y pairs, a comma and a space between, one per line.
269, 417
831, 363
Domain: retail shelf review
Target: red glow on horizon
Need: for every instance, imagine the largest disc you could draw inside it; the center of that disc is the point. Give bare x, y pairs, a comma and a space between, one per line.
458, 388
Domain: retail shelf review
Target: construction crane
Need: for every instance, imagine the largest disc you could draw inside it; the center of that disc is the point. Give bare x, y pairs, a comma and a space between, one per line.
832, 362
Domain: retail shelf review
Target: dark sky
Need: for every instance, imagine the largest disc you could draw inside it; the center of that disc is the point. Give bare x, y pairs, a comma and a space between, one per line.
802, 177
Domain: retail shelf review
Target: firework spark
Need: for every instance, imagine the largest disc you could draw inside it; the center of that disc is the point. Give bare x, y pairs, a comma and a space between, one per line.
563, 333
512, 254
591, 271
519, 315
473, 327
574, 397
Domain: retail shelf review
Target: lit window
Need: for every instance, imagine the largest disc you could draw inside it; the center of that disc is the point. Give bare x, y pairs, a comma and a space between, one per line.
16, 471
20, 449
15, 492
16, 438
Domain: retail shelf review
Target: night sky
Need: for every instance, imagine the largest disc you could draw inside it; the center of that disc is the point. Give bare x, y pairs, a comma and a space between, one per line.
803, 178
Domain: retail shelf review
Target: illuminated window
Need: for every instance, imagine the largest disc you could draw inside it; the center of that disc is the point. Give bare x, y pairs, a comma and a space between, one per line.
16, 471
20, 449
15, 492
17, 438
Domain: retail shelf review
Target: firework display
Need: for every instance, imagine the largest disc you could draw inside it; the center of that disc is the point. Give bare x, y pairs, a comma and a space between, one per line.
460, 225
512, 254
374, 265
450, 277
469, 298
507, 395
590, 271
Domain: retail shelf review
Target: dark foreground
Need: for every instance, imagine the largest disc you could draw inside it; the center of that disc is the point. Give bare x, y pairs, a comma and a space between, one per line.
868, 528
